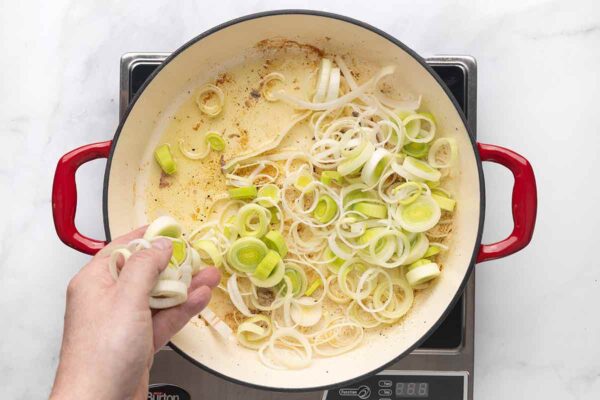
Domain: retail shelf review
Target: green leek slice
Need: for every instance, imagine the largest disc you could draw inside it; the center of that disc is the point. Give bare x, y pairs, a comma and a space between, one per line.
371, 209
165, 160
313, 286
266, 265
327, 177
407, 192
421, 169
326, 209
274, 277
417, 150
208, 251
419, 216
334, 262
179, 251
297, 278
246, 253
215, 141
302, 181
243, 193
444, 202
271, 192
275, 241
432, 250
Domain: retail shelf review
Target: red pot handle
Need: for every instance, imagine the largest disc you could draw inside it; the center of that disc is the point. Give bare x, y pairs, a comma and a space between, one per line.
524, 202
64, 196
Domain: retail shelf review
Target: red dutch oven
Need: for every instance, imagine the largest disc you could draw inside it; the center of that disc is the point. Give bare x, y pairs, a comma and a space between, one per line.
129, 155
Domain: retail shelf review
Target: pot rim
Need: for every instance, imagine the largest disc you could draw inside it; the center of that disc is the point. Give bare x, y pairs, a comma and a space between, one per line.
424, 64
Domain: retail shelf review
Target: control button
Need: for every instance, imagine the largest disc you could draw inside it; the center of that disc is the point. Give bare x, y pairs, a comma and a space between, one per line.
385, 392
363, 392
385, 383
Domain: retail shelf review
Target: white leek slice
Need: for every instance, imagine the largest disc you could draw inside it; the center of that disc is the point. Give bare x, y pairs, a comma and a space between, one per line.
423, 273
399, 306
208, 251
374, 167
333, 87
266, 87
253, 221
217, 323
253, 332
337, 338
352, 165
204, 97
284, 357
196, 260
191, 154
358, 92
322, 80
229, 165
236, 296
305, 311
163, 226
420, 215
168, 293
421, 169
440, 149
418, 134
418, 248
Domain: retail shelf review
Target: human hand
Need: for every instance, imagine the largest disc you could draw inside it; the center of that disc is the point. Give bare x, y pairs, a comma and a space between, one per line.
110, 334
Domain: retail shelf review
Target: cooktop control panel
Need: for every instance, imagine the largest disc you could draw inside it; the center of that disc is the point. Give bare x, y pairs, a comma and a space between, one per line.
409, 385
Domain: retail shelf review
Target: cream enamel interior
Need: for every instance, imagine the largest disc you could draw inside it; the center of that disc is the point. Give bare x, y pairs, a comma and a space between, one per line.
132, 160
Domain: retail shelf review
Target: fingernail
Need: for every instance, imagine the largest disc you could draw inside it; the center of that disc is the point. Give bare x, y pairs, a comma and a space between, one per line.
162, 244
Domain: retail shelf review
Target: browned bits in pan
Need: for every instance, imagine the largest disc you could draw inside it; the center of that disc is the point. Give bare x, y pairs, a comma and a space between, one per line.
165, 181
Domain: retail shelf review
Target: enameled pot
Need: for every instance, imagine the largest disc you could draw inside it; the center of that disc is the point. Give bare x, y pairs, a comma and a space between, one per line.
130, 153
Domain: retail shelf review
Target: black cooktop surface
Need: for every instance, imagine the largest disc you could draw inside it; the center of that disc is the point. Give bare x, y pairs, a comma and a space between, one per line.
449, 334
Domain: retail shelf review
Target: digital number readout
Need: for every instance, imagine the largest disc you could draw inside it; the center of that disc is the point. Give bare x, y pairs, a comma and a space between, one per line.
412, 389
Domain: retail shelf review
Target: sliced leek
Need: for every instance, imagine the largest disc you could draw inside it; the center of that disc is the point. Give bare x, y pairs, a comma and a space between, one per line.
253, 220
420, 215
215, 141
246, 253
207, 250
353, 220
210, 100
275, 241
243, 193
326, 209
165, 160
422, 273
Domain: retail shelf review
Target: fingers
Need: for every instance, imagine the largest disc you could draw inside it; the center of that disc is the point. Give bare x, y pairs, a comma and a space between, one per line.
140, 272
207, 277
121, 240
168, 322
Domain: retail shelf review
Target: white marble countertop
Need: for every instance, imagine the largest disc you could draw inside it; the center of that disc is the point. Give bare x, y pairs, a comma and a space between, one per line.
537, 319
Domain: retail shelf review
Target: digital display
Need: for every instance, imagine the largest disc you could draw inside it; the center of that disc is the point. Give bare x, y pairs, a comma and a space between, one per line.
412, 390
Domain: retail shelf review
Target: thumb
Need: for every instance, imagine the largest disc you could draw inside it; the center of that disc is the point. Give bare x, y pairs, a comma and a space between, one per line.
140, 272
